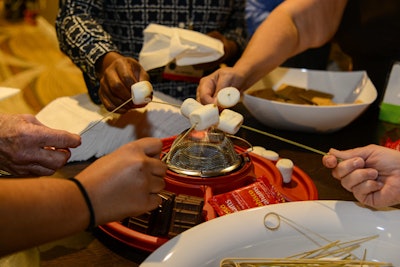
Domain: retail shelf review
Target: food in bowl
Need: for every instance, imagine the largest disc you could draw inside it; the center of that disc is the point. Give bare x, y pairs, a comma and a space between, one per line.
352, 91
297, 95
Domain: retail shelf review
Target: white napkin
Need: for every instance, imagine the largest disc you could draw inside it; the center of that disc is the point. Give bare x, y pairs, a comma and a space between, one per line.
6, 92
75, 114
163, 44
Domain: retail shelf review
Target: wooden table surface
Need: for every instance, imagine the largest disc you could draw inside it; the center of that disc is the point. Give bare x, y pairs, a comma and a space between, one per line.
38, 73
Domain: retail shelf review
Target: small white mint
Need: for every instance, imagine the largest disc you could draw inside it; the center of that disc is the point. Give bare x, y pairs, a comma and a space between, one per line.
285, 166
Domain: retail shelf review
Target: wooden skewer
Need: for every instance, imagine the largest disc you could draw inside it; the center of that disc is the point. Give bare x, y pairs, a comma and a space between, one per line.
265, 133
105, 117
243, 126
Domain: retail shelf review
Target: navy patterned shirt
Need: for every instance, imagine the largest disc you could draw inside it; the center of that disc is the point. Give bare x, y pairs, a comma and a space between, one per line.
88, 29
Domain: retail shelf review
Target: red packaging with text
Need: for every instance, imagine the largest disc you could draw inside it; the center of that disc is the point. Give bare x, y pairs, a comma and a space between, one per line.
257, 194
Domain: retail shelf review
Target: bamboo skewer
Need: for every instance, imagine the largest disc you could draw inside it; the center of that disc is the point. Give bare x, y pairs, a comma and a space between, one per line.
242, 126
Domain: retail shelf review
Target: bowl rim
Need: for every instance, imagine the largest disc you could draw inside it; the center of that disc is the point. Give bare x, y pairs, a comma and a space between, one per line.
285, 70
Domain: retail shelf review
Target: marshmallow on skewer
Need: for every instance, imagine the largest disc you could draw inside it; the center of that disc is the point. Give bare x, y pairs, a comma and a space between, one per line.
228, 97
230, 121
204, 117
285, 166
189, 105
142, 92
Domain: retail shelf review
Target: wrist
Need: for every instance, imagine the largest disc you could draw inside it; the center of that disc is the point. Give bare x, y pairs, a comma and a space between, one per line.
85, 195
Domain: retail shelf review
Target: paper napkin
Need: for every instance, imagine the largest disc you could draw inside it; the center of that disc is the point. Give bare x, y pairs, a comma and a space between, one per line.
163, 44
75, 114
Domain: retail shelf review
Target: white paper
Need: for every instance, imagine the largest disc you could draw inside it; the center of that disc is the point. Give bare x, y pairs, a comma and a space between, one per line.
163, 44
75, 114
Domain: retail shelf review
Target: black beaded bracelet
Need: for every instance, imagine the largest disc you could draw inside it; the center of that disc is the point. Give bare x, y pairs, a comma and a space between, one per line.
92, 219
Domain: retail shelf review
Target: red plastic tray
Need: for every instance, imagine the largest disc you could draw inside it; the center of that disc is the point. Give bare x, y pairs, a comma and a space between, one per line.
300, 188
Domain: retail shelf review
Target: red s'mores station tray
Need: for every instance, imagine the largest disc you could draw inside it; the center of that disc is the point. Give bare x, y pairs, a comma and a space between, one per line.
209, 175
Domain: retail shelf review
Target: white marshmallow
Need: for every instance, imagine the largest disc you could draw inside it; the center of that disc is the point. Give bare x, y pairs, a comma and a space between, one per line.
263, 152
257, 150
142, 92
228, 97
285, 166
230, 121
204, 117
270, 154
189, 105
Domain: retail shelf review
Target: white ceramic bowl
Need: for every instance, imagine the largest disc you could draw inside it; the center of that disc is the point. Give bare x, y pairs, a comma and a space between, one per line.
308, 118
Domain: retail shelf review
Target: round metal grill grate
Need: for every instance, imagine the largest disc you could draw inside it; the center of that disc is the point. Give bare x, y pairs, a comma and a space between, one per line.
205, 154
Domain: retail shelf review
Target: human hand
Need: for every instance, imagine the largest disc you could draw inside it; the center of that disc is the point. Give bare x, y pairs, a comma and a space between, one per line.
371, 173
210, 85
126, 182
27, 147
117, 74
231, 52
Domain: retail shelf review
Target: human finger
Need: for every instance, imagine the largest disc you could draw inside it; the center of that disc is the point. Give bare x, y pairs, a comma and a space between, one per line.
370, 193
206, 89
151, 146
347, 166
58, 139
52, 158
30, 169
154, 201
357, 177
329, 161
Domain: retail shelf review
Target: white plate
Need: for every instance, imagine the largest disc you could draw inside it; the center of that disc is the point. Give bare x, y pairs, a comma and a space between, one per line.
243, 234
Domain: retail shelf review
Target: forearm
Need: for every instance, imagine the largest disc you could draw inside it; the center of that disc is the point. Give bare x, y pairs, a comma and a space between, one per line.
58, 210
291, 28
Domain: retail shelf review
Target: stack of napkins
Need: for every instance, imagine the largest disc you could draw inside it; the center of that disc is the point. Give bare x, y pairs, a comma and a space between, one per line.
76, 114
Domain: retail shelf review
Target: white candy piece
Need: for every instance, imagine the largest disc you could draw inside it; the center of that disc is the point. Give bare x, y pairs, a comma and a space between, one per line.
204, 117
285, 166
230, 121
142, 92
228, 97
189, 105
270, 155
263, 152
257, 150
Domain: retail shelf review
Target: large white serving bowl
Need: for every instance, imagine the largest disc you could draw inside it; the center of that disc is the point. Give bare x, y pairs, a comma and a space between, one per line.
309, 118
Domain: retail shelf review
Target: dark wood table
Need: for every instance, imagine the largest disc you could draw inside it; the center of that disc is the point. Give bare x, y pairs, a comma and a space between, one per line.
98, 249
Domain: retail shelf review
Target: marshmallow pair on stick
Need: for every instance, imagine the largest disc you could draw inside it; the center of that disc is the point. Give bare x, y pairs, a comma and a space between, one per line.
284, 165
204, 116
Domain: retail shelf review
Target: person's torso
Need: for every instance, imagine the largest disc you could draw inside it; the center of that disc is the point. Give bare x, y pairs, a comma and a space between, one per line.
125, 20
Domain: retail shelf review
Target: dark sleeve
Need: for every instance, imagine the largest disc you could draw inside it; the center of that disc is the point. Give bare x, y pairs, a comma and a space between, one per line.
236, 26
82, 38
